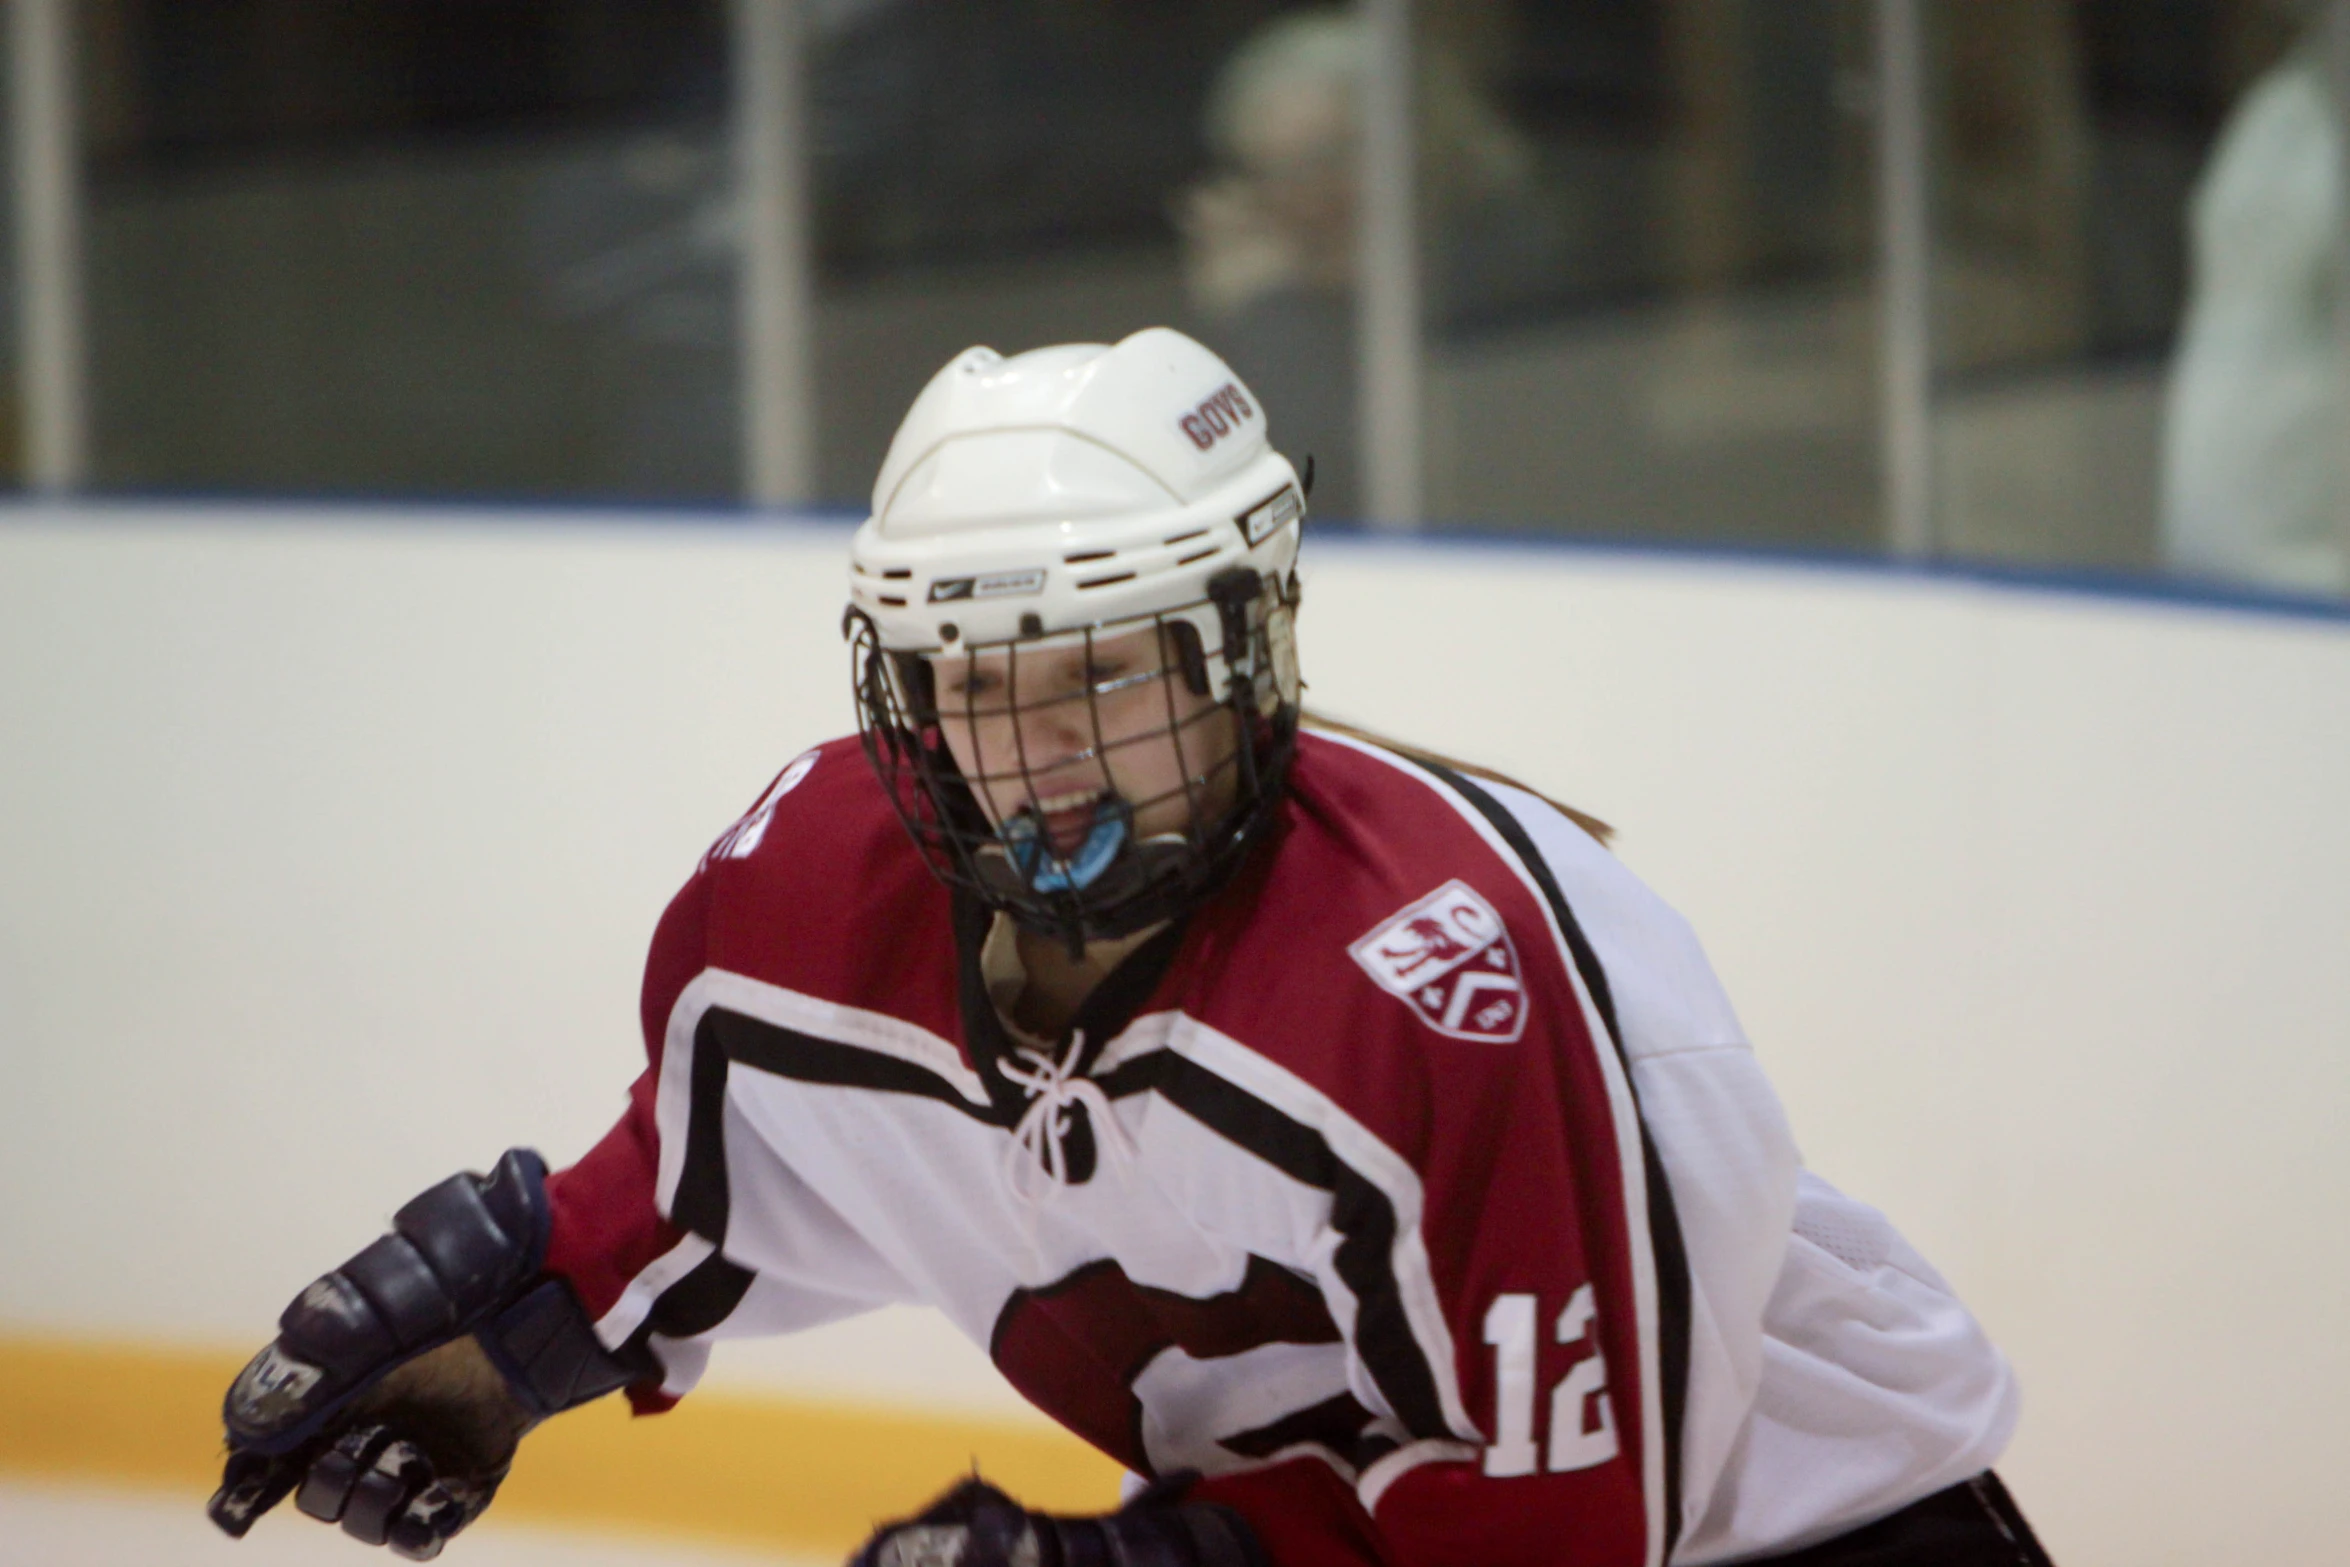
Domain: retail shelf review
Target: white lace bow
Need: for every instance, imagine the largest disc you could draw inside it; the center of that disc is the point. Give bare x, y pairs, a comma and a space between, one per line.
1054, 1088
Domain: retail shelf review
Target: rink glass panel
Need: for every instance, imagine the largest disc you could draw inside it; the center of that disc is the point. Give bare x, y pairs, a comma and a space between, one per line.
488, 250
1648, 244
410, 248
2137, 221
1013, 174
12, 411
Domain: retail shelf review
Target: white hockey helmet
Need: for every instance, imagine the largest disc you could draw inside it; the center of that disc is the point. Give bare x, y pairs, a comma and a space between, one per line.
1079, 492
1069, 487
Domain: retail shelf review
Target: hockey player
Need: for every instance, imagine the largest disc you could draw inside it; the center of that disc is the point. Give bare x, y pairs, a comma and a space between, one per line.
1341, 1139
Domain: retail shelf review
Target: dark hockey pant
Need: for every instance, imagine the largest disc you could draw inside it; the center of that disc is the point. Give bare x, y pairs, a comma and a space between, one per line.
1973, 1524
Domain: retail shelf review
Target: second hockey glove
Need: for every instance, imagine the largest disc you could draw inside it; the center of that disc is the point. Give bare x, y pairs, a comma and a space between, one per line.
976, 1525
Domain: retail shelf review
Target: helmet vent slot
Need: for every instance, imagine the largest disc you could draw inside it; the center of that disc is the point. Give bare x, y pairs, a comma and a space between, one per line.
1184, 538
893, 603
1103, 582
1082, 556
897, 573
1197, 555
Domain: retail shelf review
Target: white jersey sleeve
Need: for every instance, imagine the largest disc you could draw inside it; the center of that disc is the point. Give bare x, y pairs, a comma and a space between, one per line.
1833, 1376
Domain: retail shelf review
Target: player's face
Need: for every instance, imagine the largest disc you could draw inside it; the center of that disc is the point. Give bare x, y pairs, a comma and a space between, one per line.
1054, 728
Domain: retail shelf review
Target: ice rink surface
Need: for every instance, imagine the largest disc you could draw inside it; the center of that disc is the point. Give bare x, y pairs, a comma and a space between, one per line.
55, 1524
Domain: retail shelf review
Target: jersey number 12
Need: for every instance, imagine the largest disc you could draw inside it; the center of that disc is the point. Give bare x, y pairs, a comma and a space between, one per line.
1577, 1440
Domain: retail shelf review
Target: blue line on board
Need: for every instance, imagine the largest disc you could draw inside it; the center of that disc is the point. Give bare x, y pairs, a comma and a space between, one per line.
537, 511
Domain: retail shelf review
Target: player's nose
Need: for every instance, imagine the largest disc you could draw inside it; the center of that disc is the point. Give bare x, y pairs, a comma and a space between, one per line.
1059, 739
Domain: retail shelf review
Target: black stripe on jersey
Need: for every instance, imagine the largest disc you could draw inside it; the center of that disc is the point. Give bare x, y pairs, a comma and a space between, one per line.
1359, 1211
698, 1302
702, 1203
805, 1058
1101, 1017
1335, 1425
1138, 1074
1664, 1222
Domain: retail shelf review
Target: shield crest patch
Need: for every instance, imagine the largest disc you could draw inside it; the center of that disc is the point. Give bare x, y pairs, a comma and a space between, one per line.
1449, 957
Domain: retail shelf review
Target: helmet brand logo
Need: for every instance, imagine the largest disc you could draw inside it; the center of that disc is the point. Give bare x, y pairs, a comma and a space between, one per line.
1258, 524
993, 585
1225, 410
1450, 957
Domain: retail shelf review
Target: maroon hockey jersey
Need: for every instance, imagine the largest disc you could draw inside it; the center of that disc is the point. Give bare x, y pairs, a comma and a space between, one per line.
1338, 1193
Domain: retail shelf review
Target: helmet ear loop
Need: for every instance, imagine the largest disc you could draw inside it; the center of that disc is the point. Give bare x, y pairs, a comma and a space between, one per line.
1234, 592
1283, 686
1189, 652
1170, 638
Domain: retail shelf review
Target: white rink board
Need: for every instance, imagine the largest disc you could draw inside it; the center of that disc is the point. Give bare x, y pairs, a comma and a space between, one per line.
330, 843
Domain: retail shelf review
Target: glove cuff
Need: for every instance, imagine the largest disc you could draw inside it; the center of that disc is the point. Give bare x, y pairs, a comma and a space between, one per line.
550, 1354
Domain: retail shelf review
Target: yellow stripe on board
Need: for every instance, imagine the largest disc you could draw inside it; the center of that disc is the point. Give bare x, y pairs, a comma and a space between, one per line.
802, 1476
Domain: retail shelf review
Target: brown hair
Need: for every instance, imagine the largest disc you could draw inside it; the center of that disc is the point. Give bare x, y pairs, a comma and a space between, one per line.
1420, 753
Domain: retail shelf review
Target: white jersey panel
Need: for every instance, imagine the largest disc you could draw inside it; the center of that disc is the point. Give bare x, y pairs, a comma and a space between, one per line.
839, 1198
1862, 1340
1728, 1155
1822, 1395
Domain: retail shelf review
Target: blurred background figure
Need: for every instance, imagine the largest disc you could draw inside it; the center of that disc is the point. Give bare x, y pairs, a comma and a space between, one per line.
1270, 239
2252, 457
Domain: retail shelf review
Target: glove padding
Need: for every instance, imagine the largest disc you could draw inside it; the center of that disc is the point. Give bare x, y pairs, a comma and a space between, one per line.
396, 1390
976, 1525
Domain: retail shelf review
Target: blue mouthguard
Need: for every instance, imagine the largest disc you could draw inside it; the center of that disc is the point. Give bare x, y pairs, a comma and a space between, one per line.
1045, 871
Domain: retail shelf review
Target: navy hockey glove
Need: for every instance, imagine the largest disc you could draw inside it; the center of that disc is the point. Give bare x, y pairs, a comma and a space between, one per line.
368, 1408
976, 1525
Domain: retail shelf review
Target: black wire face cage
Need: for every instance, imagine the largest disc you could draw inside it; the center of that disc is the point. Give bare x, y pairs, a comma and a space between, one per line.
1111, 777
